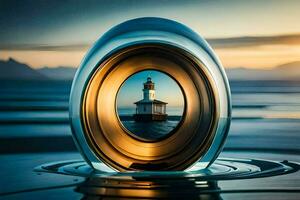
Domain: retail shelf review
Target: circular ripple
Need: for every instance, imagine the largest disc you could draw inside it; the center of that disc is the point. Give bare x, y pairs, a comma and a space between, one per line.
152, 184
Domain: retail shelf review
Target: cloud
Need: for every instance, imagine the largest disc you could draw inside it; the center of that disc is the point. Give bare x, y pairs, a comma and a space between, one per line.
232, 42
41, 47
246, 41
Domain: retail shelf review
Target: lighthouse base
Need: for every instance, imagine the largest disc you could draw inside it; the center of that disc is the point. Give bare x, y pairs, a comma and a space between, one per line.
150, 117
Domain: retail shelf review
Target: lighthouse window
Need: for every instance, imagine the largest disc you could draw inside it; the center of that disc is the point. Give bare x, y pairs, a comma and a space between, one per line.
150, 105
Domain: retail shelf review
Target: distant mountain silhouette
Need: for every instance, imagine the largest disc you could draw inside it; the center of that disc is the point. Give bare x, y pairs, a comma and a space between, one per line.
288, 71
58, 73
292, 66
14, 70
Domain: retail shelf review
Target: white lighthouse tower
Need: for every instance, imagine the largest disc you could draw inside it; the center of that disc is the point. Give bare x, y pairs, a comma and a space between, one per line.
149, 91
150, 109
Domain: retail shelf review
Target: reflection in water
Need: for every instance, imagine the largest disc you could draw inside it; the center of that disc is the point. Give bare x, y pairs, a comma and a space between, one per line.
196, 183
97, 188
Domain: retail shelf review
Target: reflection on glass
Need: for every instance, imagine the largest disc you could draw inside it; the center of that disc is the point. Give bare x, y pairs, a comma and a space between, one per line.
150, 104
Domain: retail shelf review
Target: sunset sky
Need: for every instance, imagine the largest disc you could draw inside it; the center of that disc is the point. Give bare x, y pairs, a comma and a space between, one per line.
253, 34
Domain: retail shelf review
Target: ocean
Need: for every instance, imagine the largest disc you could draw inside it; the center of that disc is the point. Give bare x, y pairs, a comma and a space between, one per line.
266, 115
150, 130
170, 110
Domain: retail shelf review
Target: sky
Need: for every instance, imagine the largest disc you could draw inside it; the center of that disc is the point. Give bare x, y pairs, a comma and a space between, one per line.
166, 89
253, 34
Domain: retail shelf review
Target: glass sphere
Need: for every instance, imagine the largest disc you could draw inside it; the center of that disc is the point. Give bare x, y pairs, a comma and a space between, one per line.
133, 47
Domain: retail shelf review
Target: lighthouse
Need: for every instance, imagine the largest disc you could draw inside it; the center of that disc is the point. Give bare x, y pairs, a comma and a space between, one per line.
149, 91
149, 108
